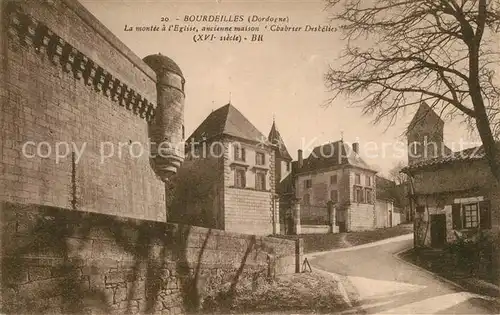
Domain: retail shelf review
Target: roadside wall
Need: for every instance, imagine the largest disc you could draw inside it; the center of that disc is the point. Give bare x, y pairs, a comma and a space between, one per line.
316, 229
59, 261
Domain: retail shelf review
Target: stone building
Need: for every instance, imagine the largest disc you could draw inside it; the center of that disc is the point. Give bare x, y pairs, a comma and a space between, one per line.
335, 172
85, 177
77, 105
452, 193
240, 162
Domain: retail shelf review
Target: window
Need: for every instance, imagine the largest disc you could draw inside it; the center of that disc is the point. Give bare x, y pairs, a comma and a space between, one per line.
471, 218
358, 194
471, 214
306, 199
239, 153
368, 195
260, 181
307, 183
333, 179
420, 209
240, 177
357, 179
334, 196
288, 166
260, 158
368, 181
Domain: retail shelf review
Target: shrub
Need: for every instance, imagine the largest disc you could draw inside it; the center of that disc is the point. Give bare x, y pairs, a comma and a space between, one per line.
473, 253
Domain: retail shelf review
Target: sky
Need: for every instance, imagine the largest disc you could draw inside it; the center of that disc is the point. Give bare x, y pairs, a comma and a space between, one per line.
281, 77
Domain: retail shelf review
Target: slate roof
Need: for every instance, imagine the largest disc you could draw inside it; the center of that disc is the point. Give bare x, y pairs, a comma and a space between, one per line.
276, 139
475, 153
160, 61
333, 154
229, 121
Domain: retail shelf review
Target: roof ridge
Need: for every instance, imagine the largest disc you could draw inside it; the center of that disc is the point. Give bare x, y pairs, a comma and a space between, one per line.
230, 121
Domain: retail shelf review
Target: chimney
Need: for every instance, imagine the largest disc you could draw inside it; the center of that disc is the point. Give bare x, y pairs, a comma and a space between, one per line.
355, 147
301, 161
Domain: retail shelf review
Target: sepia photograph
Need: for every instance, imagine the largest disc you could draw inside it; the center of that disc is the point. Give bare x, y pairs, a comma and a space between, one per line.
250, 157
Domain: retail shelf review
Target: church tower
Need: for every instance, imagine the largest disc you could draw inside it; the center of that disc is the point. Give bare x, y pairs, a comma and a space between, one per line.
425, 135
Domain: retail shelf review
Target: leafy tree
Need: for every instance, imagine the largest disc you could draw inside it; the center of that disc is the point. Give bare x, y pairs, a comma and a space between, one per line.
401, 52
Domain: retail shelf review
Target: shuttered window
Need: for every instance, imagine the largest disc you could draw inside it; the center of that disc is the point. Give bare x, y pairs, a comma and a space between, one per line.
471, 215
456, 216
485, 214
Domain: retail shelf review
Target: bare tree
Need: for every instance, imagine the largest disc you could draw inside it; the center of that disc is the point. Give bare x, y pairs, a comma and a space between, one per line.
396, 175
439, 51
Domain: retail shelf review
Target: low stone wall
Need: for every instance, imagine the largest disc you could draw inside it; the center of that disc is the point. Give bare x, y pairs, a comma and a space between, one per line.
62, 261
316, 229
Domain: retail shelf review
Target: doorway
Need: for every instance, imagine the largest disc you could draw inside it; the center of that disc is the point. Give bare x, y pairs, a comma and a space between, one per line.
341, 219
438, 230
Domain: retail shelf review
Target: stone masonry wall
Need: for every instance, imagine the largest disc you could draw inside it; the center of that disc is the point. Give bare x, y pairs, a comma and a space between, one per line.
362, 217
247, 210
381, 214
59, 261
51, 54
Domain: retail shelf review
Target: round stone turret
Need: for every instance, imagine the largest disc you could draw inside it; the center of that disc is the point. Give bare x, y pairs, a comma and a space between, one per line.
167, 128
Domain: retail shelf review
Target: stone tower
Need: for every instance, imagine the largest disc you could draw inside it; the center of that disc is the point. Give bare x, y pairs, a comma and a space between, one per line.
425, 135
283, 160
167, 129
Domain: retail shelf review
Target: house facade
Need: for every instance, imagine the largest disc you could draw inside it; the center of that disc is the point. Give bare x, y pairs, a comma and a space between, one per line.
451, 194
239, 163
336, 173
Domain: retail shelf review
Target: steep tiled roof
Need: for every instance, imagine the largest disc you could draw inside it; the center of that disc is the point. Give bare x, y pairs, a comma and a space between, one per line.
229, 121
470, 154
275, 138
332, 154
425, 114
